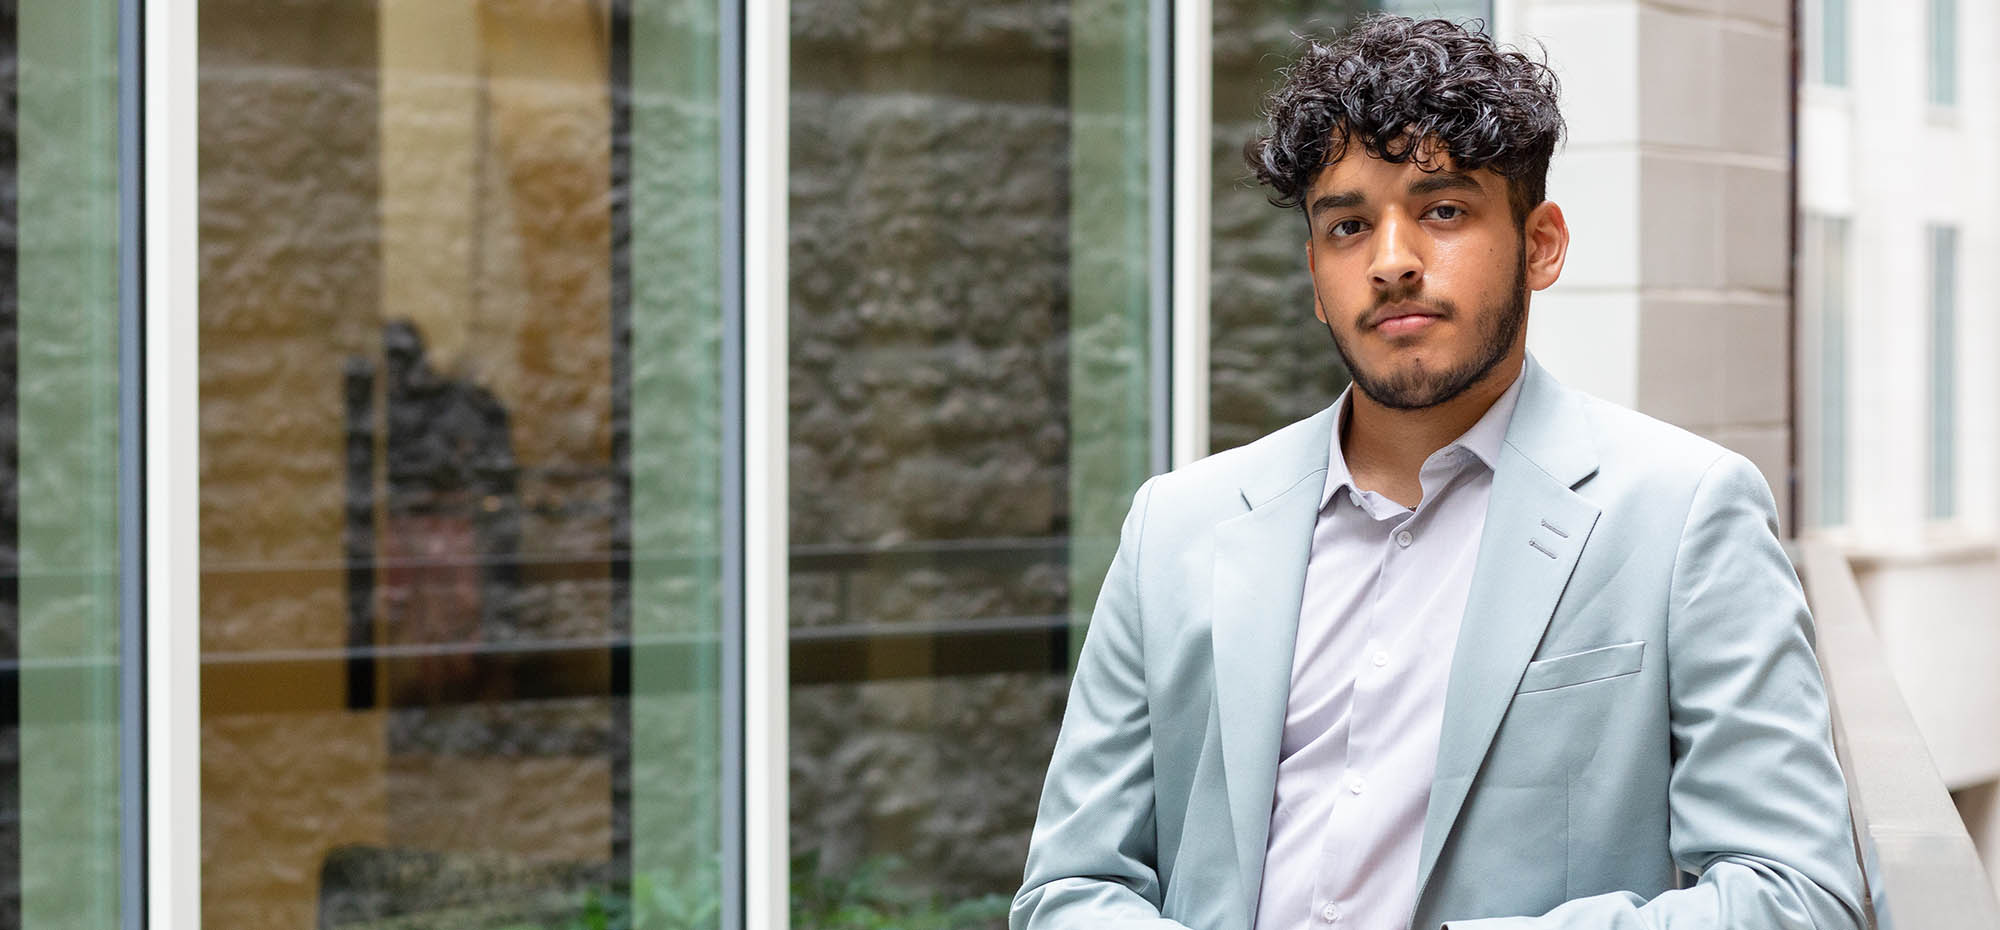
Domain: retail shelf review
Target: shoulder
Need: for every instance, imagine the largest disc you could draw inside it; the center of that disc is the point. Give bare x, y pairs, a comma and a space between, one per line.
1628, 440
1653, 463
1231, 481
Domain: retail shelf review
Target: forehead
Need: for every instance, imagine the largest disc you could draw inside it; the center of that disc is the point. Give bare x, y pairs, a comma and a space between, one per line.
1359, 169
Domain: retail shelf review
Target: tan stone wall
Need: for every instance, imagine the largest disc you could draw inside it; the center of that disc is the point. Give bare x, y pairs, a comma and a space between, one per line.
1676, 181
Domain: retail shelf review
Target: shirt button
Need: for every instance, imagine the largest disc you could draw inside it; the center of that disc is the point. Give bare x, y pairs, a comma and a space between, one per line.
1329, 913
1355, 784
1404, 539
1381, 659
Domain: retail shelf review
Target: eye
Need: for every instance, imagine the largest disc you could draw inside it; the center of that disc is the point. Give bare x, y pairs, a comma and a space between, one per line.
1446, 211
1344, 229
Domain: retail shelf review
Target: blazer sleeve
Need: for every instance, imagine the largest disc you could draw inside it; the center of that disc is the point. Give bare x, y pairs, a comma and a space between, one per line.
1092, 859
1757, 805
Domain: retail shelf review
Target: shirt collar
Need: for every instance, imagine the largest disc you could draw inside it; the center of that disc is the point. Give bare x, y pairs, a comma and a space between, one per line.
1483, 439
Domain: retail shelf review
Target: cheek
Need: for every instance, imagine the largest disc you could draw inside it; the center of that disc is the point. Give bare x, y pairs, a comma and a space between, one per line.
1477, 272
1340, 285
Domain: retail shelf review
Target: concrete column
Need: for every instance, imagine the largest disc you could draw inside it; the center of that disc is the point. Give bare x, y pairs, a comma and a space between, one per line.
1676, 182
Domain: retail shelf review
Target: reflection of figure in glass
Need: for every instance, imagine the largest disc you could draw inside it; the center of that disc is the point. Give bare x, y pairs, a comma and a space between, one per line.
1468, 644
448, 548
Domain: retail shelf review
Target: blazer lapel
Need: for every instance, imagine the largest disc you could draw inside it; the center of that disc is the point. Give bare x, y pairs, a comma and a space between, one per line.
1259, 581
1536, 527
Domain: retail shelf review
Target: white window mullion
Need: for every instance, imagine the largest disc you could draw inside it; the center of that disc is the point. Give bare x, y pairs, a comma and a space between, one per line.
1193, 129
172, 473
766, 93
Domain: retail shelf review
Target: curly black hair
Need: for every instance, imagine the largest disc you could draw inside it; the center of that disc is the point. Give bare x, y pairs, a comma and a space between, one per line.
1404, 87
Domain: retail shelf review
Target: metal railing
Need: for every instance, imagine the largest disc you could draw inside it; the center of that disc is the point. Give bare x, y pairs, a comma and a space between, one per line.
1921, 869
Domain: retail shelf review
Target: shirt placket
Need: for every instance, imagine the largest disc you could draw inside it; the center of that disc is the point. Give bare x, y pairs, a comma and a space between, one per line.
1334, 884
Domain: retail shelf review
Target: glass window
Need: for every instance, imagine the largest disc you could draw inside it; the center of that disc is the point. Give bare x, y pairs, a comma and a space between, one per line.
971, 231
1826, 41
1270, 361
1823, 367
462, 445
1944, 52
1944, 372
60, 724
1455, 10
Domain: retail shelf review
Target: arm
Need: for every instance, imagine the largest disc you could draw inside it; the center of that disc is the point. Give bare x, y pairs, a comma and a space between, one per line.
1758, 808
1092, 860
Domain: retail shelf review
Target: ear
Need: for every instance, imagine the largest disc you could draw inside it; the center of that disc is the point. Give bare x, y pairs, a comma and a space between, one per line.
1545, 237
1319, 309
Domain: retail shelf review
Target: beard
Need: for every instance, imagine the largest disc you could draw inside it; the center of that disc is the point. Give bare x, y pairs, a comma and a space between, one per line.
1417, 387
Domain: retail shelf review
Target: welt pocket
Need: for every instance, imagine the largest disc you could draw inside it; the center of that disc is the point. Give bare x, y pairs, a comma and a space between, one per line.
1579, 668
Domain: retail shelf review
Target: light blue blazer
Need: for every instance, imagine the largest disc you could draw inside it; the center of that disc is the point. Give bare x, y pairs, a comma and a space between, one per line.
1635, 731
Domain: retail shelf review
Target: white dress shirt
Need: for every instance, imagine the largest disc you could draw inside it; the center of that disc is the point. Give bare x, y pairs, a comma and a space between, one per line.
1384, 591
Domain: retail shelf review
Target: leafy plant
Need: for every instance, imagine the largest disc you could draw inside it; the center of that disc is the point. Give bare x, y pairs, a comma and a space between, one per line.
867, 897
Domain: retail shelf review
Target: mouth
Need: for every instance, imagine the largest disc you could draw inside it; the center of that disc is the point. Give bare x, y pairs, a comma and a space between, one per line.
1402, 319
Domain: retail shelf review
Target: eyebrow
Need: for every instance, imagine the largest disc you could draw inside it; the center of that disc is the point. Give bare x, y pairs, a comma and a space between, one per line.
1428, 184
1444, 181
1340, 201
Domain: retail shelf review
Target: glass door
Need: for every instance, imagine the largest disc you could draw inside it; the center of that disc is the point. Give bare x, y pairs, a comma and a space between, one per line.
462, 446
972, 223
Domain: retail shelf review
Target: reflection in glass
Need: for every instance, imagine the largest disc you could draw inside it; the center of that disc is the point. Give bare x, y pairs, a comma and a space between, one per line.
60, 808
969, 418
460, 336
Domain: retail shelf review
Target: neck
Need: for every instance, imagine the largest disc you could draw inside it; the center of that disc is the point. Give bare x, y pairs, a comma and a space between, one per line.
1385, 448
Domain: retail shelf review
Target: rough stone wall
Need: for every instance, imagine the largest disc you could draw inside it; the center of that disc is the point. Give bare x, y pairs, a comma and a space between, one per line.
930, 202
932, 148
1270, 361
932, 332
294, 210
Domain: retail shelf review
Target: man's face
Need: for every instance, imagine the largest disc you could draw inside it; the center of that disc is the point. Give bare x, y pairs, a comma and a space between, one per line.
1421, 276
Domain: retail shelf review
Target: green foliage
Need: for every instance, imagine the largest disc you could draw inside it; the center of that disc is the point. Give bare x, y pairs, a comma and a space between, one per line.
866, 897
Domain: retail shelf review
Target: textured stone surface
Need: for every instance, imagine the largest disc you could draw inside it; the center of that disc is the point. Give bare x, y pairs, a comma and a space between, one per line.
934, 342
930, 248
1270, 361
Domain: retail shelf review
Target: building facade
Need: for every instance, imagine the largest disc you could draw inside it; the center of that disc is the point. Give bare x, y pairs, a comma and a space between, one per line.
1897, 335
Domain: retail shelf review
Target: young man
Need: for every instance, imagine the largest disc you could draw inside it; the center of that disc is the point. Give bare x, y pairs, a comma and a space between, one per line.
1469, 648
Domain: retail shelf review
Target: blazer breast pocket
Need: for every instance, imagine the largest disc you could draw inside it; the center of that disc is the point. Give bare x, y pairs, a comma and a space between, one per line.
1582, 668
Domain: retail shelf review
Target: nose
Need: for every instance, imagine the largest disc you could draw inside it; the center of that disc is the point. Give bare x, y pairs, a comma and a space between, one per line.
1396, 263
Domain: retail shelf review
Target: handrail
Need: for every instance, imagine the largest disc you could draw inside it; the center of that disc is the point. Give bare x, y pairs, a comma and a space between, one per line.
1921, 869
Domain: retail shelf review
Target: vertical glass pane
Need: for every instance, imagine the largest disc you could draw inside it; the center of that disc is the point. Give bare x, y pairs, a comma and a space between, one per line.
1833, 43
1455, 10
461, 533
969, 418
1823, 280
1944, 371
60, 809
1270, 361
677, 462
1944, 52
1835, 379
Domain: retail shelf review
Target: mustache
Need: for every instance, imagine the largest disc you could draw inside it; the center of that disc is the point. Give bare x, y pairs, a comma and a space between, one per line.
1399, 301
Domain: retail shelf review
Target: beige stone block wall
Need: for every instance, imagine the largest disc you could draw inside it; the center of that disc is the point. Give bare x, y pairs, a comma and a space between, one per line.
1677, 184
